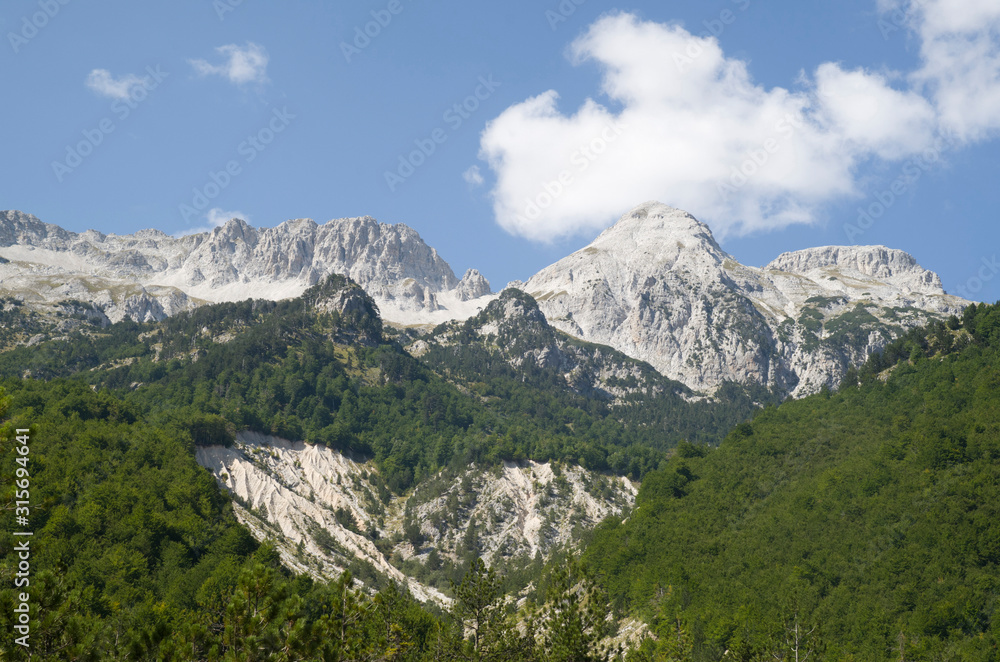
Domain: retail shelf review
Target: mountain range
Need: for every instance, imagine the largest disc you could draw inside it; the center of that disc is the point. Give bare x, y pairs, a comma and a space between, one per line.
656, 286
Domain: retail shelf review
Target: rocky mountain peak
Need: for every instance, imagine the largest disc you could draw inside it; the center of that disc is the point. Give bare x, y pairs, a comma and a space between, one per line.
472, 286
17, 227
512, 307
356, 314
234, 230
407, 278
658, 229
884, 264
657, 287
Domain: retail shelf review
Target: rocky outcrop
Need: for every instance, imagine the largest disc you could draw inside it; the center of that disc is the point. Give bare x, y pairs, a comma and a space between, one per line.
472, 286
357, 316
894, 268
516, 510
291, 492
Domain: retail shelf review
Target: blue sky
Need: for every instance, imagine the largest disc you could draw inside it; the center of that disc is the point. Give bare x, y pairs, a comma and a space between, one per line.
309, 118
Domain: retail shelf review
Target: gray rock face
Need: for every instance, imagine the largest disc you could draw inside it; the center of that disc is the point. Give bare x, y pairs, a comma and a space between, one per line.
878, 263
472, 286
658, 287
407, 278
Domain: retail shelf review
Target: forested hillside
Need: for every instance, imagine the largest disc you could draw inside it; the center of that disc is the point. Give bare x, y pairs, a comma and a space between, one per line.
136, 555
866, 523
860, 525
136, 552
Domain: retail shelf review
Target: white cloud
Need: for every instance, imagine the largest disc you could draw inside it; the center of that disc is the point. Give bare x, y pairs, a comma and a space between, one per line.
242, 65
473, 176
102, 82
696, 131
216, 217
869, 114
960, 49
940, 17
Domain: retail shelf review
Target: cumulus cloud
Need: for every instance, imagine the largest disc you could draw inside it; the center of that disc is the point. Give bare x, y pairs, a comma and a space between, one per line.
216, 217
960, 49
102, 82
241, 65
692, 128
870, 115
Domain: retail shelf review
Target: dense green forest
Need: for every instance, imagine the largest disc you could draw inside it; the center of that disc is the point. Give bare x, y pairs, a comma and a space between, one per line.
136, 556
860, 524
866, 521
136, 552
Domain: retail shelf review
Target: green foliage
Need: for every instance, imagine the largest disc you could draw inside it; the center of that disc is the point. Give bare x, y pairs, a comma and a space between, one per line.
138, 550
127, 527
136, 554
847, 524
490, 633
849, 520
574, 620
826, 302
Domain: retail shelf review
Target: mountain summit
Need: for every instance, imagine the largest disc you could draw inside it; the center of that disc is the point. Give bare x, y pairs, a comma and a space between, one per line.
658, 287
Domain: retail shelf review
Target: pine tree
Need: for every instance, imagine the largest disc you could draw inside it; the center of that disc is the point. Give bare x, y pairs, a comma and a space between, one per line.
486, 631
574, 621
